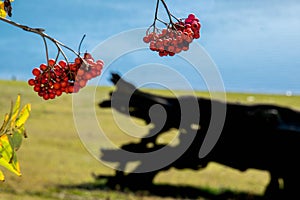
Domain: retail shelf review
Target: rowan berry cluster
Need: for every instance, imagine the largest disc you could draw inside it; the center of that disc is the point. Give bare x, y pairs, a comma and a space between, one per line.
175, 38
61, 77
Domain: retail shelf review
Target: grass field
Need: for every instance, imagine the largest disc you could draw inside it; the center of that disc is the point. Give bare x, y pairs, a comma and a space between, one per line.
56, 165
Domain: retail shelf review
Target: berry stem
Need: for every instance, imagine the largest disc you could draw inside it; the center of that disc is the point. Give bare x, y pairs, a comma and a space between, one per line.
156, 13
62, 52
80, 43
178, 20
168, 11
165, 23
46, 49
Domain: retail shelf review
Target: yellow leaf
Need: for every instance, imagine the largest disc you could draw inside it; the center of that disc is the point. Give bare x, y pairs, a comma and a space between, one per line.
23, 116
11, 135
2, 10
3, 127
15, 111
8, 159
2, 178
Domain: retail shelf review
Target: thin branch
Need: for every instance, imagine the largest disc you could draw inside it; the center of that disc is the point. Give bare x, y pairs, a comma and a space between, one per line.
80, 43
156, 12
165, 23
41, 32
175, 18
171, 24
62, 52
168, 11
46, 49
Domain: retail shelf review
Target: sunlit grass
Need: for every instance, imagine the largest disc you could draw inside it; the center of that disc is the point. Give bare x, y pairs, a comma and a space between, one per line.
53, 154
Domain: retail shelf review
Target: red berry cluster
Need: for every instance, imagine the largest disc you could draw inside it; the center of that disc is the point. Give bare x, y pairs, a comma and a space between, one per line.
174, 38
55, 78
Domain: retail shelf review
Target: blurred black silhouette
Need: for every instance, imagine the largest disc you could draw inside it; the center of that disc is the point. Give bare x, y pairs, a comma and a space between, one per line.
263, 137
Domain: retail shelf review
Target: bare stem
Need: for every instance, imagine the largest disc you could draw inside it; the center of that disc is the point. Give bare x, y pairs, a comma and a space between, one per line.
156, 13
46, 49
175, 18
170, 15
165, 23
168, 11
80, 43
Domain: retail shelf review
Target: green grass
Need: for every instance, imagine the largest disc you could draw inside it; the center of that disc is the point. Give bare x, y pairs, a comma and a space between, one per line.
53, 156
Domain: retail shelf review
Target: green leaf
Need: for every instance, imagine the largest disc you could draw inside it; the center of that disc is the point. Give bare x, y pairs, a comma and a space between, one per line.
17, 138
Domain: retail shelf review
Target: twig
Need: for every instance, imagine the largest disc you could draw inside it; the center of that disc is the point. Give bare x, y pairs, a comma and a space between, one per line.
80, 43
41, 32
170, 15
168, 11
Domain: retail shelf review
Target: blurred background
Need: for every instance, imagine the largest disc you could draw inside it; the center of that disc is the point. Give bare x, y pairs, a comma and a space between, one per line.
255, 44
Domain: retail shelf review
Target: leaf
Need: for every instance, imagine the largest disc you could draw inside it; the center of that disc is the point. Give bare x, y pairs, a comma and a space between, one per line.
23, 116
17, 138
19, 129
5, 8
5, 122
11, 136
15, 111
8, 159
2, 10
2, 177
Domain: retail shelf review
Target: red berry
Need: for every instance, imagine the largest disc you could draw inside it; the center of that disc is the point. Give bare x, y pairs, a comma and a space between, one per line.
63, 84
80, 72
43, 67
31, 82
195, 25
56, 86
73, 67
58, 92
87, 76
171, 53
88, 56
78, 61
100, 62
191, 16
36, 72
37, 88
51, 62
171, 49
70, 89
146, 39
41, 94
197, 35
62, 63
51, 95
46, 96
